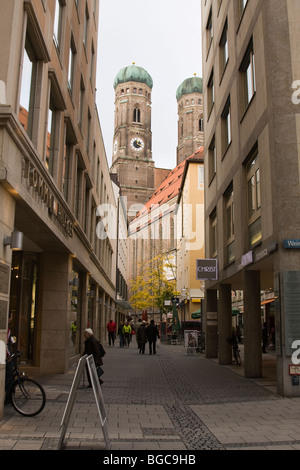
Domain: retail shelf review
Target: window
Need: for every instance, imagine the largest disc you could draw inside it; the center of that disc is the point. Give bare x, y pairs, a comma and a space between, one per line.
92, 61
210, 93
247, 72
72, 54
213, 234
51, 137
224, 49
226, 127
242, 6
66, 176
209, 32
229, 211
212, 160
56, 105
79, 187
58, 24
136, 115
27, 88
85, 26
200, 124
80, 104
254, 198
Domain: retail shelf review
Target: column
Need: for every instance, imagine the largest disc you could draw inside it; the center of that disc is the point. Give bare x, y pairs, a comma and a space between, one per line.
54, 313
211, 324
252, 324
225, 324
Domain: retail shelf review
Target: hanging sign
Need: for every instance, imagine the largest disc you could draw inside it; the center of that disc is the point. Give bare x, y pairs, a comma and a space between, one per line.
206, 269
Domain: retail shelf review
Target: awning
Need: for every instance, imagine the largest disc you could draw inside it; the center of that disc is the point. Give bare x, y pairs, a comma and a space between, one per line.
235, 311
197, 314
124, 304
267, 301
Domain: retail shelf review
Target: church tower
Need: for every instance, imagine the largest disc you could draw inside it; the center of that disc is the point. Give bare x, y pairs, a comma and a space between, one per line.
132, 142
189, 97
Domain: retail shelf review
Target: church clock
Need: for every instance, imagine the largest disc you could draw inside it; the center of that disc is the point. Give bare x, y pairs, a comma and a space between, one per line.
137, 144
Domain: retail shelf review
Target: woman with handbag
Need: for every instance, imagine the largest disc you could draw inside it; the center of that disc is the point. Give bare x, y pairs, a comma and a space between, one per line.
93, 347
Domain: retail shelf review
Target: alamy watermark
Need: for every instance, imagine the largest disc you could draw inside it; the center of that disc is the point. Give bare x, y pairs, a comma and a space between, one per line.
154, 222
296, 354
296, 94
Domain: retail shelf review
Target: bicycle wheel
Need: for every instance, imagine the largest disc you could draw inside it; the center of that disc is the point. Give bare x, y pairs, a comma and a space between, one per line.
28, 397
237, 356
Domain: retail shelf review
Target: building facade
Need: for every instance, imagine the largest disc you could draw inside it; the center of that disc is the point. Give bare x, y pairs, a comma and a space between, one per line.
53, 177
190, 237
252, 180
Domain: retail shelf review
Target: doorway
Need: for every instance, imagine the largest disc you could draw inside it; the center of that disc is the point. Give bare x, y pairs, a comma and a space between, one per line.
23, 302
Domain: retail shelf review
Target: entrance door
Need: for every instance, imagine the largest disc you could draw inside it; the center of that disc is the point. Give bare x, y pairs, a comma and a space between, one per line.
23, 299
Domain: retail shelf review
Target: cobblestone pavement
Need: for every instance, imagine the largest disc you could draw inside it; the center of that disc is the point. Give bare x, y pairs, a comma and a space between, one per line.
168, 401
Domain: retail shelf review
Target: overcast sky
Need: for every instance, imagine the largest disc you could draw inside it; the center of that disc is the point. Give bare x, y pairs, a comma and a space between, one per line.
163, 37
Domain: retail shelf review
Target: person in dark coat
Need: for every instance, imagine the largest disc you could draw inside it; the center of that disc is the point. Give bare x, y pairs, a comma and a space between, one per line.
152, 335
264, 337
92, 347
142, 337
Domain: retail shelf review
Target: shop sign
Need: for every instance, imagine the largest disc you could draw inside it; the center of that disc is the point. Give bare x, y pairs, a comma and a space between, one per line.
206, 269
294, 370
247, 258
292, 244
37, 182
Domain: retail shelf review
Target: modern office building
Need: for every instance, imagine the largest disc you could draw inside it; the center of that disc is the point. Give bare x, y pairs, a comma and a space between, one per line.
56, 271
252, 132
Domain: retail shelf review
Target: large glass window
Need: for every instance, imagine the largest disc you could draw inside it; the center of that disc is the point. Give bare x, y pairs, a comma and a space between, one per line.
224, 55
58, 24
27, 92
247, 71
229, 210
254, 199
226, 127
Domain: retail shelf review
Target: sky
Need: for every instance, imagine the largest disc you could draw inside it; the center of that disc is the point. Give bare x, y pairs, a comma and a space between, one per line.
163, 37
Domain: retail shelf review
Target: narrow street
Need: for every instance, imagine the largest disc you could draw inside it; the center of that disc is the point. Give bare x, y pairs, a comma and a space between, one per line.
168, 401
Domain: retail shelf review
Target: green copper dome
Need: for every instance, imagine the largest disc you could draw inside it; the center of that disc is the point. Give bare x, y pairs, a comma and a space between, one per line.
190, 85
133, 73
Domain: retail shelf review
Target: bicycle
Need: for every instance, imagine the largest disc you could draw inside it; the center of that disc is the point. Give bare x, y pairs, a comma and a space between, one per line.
25, 395
235, 351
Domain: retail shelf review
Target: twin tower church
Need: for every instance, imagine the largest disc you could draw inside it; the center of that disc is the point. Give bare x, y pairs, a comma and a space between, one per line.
132, 159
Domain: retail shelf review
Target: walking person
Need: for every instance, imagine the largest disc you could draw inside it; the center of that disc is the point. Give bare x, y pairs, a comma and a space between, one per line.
142, 337
264, 337
111, 328
127, 333
92, 347
152, 335
120, 334
136, 327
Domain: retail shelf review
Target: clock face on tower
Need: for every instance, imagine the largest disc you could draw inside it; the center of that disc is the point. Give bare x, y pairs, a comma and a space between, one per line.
137, 144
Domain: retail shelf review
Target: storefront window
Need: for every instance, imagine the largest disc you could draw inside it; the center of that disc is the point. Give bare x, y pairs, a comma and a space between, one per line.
74, 346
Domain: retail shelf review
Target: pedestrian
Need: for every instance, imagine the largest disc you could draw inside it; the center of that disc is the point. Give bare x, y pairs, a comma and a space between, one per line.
9, 362
264, 337
127, 333
73, 332
152, 335
142, 337
111, 328
136, 327
92, 347
120, 334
